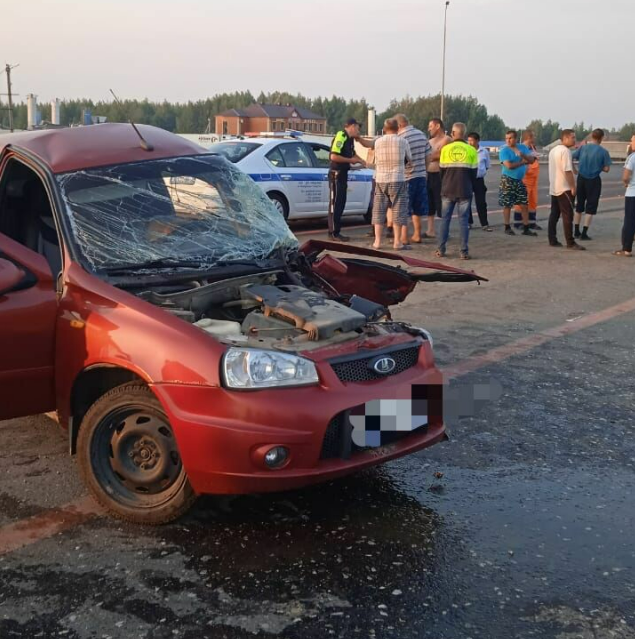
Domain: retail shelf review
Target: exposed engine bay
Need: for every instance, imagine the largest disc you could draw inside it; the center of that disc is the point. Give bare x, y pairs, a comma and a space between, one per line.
266, 310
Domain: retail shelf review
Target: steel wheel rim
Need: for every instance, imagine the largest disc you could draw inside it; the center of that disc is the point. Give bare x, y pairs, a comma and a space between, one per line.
135, 458
279, 205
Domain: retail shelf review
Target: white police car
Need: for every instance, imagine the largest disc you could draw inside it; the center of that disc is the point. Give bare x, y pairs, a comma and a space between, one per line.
294, 174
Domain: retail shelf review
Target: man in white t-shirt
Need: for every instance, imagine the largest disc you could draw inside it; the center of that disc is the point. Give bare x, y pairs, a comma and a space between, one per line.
562, 190
628, 228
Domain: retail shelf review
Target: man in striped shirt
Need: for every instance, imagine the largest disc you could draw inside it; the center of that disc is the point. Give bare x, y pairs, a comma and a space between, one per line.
416, 176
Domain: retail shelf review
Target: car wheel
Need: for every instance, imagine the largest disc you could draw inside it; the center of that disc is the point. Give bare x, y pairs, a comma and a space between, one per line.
280, 203
129, 459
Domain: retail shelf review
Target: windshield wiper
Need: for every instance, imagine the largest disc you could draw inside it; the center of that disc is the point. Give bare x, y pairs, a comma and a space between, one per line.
166, 262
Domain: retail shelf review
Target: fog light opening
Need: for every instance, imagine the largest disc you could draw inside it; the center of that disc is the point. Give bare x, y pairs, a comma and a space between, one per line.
276, 457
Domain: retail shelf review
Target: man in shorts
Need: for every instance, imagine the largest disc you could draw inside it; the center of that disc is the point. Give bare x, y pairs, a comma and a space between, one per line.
391, 189
514, 158
416, 176
593, 160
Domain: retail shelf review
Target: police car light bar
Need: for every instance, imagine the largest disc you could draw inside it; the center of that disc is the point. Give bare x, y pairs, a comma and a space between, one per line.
289, 133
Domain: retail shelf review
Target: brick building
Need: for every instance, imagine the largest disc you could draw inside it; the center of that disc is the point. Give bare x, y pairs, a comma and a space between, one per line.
258, 118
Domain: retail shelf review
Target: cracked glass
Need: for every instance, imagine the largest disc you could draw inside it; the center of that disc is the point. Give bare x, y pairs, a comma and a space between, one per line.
200, 211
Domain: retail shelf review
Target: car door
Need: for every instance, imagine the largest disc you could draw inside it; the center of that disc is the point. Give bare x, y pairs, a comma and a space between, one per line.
28, 309
322, 160
359, 182
359, 190
303, 179
28, 312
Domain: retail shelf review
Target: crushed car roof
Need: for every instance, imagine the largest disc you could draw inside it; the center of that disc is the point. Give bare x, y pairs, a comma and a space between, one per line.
86, 147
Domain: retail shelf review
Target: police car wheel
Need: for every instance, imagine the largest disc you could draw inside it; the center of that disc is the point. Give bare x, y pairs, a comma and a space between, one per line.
281, 204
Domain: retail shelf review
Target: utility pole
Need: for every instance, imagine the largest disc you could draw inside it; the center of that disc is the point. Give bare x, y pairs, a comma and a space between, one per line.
9, 93
445, 26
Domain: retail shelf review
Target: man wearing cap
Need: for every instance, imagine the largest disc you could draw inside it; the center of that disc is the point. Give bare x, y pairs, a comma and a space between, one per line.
342, 157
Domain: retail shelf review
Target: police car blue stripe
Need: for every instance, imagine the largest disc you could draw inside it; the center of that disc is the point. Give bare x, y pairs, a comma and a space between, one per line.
264, 177
301, 177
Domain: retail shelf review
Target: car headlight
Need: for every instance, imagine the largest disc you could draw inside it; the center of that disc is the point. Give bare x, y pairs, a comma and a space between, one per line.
427, 335
247, 368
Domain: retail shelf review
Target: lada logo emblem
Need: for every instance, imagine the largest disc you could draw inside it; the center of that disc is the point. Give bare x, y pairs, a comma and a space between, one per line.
384, 365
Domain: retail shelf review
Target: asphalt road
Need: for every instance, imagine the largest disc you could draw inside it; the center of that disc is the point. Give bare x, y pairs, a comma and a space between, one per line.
611, 187
527, 533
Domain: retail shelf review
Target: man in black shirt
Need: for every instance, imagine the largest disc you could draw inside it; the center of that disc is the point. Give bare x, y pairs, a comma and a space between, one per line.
342, 157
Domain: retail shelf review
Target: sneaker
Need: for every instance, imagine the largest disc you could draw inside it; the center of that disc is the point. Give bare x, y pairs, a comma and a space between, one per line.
576, 234
586, 238
465, 256
489, 229
623, 253
527, 231
556, 243
509, 232
535, 227
339, 238
576, 247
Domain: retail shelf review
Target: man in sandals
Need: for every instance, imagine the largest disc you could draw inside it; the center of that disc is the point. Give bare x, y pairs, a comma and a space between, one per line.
391, 189
628, 229
562, 190
459, 166
514, 157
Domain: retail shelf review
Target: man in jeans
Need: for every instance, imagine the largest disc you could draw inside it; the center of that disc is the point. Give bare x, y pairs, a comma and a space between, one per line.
628, 229
562, 190
459, 166
391, 189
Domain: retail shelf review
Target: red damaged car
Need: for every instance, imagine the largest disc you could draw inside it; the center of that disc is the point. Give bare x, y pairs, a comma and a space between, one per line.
153, 296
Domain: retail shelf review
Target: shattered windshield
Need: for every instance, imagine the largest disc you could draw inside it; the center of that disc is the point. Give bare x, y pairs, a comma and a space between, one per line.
200, 210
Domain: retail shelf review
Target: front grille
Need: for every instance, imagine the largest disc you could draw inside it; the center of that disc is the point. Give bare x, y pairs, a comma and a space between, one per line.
338, 443
359, 369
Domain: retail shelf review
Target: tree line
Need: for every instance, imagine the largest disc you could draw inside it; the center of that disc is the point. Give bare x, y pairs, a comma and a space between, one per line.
198, 116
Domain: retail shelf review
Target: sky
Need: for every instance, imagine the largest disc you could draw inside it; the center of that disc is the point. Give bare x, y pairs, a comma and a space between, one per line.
568, 60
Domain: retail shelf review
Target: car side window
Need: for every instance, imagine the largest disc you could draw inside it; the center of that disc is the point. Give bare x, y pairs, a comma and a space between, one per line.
26, 215
296, 155
275, 157
322, 155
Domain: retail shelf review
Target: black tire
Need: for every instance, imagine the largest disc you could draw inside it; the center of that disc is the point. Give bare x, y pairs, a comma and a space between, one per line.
280, 202
129, 460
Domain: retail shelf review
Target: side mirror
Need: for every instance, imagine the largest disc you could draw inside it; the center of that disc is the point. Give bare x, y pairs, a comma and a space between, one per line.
10, 276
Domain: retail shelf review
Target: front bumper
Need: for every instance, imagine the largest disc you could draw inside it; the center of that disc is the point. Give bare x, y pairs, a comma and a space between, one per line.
221, 433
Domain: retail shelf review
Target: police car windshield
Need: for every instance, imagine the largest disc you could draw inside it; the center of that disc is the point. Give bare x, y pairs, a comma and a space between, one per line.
234, 151
201, 210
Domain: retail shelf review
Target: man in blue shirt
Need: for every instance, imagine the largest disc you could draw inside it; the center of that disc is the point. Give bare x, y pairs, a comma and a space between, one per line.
514, 157
480, 190
593, 159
